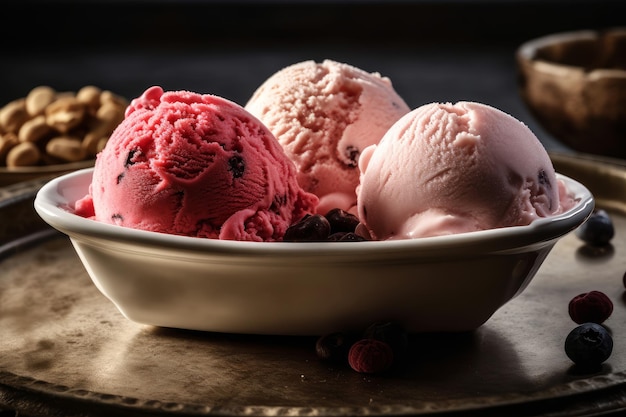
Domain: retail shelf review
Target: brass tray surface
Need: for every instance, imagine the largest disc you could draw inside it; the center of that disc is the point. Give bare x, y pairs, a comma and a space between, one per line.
66, 350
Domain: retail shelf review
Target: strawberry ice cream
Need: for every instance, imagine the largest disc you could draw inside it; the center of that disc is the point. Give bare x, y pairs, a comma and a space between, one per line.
195, 165
453, 168
324, 115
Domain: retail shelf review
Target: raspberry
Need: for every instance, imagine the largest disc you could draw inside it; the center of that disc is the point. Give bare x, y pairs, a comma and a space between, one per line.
370, 356
592, 307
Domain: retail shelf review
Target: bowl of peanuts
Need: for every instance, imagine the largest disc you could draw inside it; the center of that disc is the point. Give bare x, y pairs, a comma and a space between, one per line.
49, 132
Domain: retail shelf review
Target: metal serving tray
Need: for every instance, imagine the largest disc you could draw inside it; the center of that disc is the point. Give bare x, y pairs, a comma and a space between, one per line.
66, 350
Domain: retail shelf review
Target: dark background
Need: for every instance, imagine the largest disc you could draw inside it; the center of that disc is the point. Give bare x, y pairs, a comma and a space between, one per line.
445, 50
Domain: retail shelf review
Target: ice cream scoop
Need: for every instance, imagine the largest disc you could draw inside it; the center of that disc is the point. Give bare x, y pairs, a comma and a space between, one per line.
324, 114
195, 165
450, 168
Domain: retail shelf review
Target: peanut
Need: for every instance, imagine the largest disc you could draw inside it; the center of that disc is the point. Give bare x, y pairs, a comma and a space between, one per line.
13, 115
38, 99
65, 114
91, 143
23, 154
66, 148
7, 142
90, 96
34, 129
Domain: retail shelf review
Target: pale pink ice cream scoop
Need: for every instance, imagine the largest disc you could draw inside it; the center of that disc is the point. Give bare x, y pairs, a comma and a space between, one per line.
324, 114
195, 165
451, 168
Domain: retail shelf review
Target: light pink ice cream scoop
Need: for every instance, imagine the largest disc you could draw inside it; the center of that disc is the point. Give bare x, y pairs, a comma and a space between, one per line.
450, 168
324, 114
195, 165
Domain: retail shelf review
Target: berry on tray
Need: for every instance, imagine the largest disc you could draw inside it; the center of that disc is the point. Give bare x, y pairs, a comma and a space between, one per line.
589, 345
370, 356
390, 332
592, 306
598, 230
334, 346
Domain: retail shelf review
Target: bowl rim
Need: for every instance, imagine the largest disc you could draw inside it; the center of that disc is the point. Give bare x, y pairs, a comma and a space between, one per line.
47, 169
52, 206
527, 51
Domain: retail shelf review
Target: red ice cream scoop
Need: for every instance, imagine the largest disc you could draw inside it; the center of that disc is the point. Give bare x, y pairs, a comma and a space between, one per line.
195, 165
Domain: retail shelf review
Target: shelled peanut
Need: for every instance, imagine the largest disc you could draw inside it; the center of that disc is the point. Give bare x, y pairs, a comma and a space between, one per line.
50, 127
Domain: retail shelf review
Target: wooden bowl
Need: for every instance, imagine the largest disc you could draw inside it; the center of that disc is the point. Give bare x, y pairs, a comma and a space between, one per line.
574, 84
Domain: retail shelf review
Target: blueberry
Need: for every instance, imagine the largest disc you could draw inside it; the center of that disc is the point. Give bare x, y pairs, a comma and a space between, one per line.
588, 345
334, 347
598, 230
390, 332
312, 228
341, 221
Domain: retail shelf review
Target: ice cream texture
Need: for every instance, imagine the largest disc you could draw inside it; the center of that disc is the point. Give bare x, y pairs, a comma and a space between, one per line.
195, 165
450, 168
324, 115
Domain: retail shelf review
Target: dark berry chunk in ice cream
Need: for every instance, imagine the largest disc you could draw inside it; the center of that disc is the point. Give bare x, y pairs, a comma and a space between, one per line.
543, 178
598, 230
352, 156
236, 166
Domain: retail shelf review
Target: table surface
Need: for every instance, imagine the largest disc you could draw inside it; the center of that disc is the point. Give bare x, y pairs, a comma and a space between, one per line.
432, 51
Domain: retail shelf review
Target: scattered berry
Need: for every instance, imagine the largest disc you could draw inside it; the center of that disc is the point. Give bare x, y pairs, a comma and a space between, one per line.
588, 345
598, 230
334, 346
370, 356
312, 228
390, 332
590, 307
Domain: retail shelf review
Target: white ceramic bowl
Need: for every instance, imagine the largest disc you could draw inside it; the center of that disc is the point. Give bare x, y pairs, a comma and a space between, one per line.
451, 283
